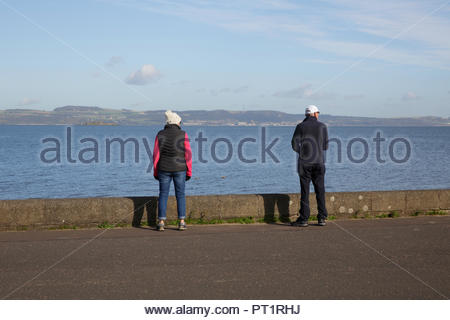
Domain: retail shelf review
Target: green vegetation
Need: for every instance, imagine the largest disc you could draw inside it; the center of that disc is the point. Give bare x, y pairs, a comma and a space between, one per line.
430, 213
246, 220
64, 227
436, 213
121, 225
105, 225
271, 219
359, 215
392, 214
241, 220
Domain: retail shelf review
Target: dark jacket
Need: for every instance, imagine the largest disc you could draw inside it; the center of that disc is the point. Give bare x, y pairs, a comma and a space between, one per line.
310, 140
172, 151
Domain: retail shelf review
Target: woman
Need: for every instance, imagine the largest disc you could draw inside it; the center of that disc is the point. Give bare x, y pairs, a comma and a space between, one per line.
172, 160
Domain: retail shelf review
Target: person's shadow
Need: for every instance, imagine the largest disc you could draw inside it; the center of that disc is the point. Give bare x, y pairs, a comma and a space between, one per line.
273, 204
144, 205
276, 203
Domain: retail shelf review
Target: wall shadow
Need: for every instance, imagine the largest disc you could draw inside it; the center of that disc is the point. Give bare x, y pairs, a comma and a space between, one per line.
276, 201
144, 205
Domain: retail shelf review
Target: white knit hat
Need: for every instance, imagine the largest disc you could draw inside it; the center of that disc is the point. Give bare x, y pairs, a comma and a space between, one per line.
172, 117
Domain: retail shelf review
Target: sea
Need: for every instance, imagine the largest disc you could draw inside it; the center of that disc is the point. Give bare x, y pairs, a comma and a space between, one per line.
116, 161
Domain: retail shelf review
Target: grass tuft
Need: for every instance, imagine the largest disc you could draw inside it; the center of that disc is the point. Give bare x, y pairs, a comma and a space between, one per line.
394, 214
435, 213
430, 213
105, 225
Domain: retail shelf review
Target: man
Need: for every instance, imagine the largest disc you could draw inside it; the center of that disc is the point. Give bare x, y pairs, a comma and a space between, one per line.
310, 140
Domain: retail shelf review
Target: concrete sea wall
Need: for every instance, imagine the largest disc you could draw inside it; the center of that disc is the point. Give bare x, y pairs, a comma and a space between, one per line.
90, 212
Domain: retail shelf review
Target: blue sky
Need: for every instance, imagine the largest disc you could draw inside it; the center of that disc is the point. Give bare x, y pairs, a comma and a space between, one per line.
365, 58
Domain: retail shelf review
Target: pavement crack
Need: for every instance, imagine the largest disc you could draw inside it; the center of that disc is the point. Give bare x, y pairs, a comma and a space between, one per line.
390, 260
53, 265
64, 258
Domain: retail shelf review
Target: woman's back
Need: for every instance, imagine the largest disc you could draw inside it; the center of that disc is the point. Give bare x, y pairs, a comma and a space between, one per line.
172, 148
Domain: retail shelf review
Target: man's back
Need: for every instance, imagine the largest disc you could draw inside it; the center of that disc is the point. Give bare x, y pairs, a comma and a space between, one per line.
310, 139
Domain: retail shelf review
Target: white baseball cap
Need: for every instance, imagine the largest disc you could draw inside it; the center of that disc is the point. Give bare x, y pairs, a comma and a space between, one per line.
311, 110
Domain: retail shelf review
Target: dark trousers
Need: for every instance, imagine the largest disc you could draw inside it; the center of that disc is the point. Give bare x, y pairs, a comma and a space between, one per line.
316, 174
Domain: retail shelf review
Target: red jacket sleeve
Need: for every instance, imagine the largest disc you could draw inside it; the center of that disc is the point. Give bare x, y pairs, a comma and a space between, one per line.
188, 155
156, 157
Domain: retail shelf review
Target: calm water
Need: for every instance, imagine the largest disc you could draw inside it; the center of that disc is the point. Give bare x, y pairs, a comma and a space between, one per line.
217, 169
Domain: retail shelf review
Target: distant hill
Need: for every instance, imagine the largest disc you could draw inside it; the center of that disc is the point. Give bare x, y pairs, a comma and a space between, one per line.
81, 115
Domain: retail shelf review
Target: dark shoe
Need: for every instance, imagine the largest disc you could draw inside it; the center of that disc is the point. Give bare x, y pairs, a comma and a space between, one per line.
299, 223
322, 222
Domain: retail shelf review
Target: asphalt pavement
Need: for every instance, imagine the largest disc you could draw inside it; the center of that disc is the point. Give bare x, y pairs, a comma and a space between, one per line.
400, 258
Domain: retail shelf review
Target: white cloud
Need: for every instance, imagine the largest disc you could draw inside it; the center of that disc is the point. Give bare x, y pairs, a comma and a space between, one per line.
401, 32
410, 96
420, 28
146, 74
114, 60
302, 92
366, 50
27, 102
418, 21
237, 15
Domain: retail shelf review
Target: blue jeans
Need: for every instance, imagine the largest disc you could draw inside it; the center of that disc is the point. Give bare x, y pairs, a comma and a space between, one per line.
179, 179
